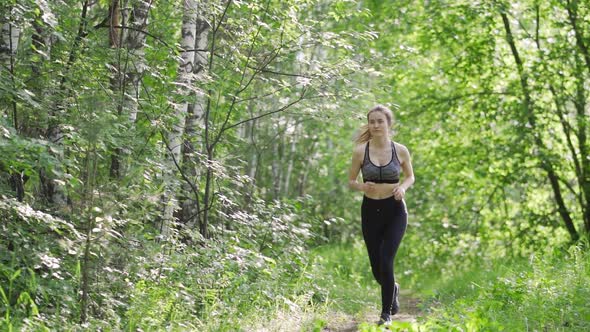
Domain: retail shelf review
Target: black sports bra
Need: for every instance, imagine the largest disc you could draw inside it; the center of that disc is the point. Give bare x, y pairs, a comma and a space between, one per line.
381, 174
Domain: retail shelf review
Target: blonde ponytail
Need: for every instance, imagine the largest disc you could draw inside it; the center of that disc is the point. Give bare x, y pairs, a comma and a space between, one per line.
363, 135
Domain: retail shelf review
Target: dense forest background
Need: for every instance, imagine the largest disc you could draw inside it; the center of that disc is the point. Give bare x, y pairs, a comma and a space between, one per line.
177, 164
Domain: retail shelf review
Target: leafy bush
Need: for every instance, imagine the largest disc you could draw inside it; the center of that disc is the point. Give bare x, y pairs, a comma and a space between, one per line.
38, 267
258, 264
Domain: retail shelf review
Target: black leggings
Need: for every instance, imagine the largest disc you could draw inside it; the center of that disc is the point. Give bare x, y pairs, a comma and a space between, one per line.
384, 224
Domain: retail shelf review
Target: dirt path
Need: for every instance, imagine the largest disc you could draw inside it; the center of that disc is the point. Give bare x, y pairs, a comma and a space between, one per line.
409, 312
298, 320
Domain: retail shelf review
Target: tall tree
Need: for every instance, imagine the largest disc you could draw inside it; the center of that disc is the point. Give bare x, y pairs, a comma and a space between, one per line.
9, 41
575, 14
52, 188
196, 106
8, 46
529, 110
174, 138
127, 36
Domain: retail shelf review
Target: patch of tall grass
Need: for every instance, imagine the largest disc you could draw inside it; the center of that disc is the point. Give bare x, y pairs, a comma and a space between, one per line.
547, 293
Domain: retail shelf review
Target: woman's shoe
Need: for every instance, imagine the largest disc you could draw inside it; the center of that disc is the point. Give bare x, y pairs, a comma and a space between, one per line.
385, 319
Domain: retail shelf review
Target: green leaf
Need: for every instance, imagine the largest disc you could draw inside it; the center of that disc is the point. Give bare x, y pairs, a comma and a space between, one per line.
15, 275
4, 297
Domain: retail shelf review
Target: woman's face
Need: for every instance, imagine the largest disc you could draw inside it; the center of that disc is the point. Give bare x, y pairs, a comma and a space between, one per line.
378, 125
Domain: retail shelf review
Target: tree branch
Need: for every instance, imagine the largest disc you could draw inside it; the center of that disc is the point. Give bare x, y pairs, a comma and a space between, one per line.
268, 113
573, 16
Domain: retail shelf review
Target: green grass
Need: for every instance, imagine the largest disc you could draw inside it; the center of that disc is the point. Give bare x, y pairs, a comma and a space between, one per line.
336, 290
344, 292
540, 293
547, 293
344, 272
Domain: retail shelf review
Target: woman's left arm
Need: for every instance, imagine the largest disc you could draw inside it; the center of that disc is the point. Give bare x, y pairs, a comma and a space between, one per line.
406, 163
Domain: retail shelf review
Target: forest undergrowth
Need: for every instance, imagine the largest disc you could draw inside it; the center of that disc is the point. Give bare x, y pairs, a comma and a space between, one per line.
228, 286
535, 293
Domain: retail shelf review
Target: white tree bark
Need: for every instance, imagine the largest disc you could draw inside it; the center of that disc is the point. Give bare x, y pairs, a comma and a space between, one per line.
181, 111
196, 110
276, 167
253, 162
128, 69
10, 38
291, 158
135, 41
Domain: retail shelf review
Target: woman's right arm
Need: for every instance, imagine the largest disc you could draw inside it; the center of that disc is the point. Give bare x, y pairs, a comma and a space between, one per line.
355, 167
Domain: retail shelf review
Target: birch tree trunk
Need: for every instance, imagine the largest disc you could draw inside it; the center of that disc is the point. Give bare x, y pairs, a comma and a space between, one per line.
291, 159
302, 179
10, 38
276, 162
174, 138
41, 47
252, 162
126, 76
115, 20
135, 45
251, 169
195, 112
8, 47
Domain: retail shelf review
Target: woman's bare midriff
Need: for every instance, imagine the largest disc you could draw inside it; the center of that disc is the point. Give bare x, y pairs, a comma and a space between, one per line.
382, 190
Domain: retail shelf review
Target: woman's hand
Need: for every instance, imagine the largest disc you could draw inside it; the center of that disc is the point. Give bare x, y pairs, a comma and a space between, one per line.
399, 193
